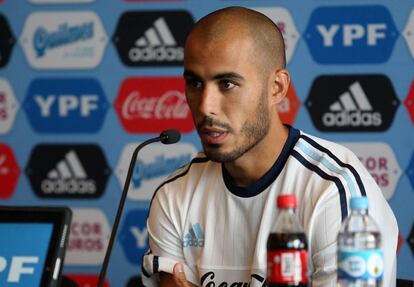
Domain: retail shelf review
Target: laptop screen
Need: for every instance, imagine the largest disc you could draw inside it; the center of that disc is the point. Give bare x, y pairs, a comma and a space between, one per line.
32, 245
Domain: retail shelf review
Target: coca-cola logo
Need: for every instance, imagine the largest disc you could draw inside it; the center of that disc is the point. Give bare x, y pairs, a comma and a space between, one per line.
171, 105
150, 105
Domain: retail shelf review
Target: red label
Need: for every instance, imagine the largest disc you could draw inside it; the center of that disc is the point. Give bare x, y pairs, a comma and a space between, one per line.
150, 105
86, 280
9, 171
287, 266
409, 102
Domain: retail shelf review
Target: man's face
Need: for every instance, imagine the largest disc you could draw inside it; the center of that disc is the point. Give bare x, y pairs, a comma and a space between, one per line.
228, 96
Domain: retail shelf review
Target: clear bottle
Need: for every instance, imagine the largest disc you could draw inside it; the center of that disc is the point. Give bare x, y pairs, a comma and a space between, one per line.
360, 257
287, 247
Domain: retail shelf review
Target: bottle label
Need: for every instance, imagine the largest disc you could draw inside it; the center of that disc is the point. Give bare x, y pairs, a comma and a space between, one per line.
363, 264
287, 266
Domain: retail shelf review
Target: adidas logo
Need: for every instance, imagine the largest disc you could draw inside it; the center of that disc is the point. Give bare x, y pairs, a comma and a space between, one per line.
68, 177
194, 237
4, 170
352, 109
157, 44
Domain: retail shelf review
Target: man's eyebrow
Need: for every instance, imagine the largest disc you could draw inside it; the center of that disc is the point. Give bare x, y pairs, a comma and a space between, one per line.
229, 75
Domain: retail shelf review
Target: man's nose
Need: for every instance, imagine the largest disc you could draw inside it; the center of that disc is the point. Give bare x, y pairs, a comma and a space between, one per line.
209, 101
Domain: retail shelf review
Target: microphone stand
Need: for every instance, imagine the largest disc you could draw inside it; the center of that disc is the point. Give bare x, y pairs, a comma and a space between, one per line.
121, 206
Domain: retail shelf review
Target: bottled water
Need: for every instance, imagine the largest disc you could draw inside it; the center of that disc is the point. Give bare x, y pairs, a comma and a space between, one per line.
360, 257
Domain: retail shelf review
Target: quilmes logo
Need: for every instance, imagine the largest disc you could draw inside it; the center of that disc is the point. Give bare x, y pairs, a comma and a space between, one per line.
8, 106
70, 171
289, 106
153, 167
69, 40
351, 34
409, 32
147, 105
133, 235
65, 105
352, 103
409, 102
7, 41
152, 38
194, 237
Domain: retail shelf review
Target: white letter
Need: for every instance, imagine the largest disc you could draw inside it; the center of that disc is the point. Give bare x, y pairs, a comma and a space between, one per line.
374, 34
140, 236
44, 104
67, 103
327, 35
351, 32
3, 263
17, 268
88, 103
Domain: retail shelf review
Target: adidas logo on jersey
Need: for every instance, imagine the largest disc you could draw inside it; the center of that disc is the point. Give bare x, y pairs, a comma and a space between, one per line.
157, 44
352, 109
68, 177
194, 237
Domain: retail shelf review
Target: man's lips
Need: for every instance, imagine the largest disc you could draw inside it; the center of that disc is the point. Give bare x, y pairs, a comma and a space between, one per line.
212, 135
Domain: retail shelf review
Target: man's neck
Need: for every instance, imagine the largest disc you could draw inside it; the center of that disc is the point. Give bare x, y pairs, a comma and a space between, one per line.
250, 167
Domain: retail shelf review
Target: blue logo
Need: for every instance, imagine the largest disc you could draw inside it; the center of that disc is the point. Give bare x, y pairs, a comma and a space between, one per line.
351, 34
23, 250
65, 35
65, 105
194, 237
133, 235
160, 167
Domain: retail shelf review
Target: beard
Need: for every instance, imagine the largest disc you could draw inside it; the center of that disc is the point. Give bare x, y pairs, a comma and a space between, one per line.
252, 133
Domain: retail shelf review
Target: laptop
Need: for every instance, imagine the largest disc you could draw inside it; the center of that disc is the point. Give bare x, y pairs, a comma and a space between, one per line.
32, 245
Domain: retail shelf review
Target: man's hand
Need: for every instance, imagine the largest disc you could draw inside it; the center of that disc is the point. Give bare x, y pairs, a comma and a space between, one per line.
177, 279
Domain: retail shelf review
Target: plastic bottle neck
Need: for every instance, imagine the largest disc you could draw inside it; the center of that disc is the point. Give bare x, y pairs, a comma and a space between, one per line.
359, 211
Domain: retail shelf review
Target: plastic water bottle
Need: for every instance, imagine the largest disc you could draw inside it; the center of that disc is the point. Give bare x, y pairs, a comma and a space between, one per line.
287, 247
360, 257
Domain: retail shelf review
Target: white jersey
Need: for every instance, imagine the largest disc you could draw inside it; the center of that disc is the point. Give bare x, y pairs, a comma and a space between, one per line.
219, 230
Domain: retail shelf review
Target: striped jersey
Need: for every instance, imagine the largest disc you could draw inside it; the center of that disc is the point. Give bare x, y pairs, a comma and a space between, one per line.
219, 230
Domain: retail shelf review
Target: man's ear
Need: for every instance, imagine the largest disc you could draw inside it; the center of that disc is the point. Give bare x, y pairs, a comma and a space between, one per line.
279, 82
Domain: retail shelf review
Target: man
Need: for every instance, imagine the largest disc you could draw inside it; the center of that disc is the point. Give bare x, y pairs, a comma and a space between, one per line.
209, 222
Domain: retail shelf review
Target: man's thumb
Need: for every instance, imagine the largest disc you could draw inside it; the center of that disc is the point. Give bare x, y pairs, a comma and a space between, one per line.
179, 275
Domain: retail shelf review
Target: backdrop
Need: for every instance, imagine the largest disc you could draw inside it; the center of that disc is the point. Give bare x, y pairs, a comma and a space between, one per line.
82, 82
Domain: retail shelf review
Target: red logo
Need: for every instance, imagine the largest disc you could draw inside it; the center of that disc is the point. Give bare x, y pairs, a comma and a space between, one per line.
409, 102
86, 280
149, 105
289, 106
9, 171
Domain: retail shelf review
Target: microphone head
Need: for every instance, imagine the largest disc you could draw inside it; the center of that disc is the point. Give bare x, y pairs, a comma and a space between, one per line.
170, 136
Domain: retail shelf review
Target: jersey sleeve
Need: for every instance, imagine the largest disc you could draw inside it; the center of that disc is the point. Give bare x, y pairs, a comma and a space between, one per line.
164, 235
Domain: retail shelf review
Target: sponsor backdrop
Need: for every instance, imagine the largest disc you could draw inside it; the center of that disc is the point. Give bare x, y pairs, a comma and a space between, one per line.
82, 82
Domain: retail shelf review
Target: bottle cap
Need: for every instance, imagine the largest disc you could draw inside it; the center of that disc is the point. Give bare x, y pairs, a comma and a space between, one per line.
286, 200
360, 202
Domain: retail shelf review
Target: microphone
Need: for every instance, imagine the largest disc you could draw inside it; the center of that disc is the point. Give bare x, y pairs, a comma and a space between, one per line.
166, 137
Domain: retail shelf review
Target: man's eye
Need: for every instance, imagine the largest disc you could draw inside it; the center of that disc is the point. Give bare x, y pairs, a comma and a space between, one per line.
193, 83
227, 85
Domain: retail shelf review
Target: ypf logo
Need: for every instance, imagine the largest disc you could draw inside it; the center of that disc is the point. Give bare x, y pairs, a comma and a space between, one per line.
134, 236
409, 102
380, 161
7, 41
282, 18
88, 237
9, 171
68, 171
352, 103
150, 105
65, 105
152, 38
63, 40
410, 173
8, 106
289, 106
351, 34
152, 167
